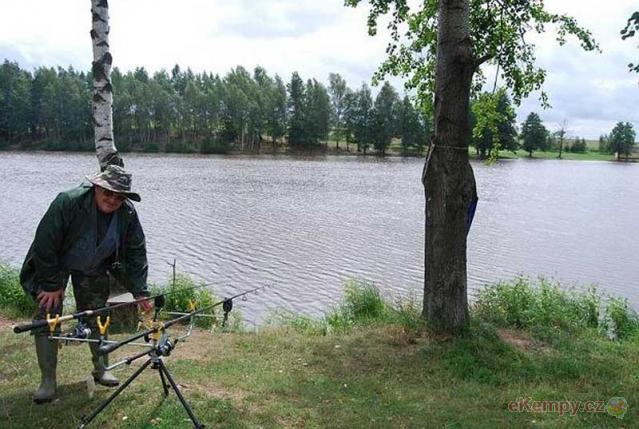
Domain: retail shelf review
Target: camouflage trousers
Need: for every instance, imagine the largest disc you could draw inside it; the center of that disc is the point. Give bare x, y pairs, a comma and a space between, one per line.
89, 291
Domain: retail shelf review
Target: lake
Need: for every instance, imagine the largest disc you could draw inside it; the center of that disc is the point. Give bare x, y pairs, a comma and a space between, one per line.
307, 225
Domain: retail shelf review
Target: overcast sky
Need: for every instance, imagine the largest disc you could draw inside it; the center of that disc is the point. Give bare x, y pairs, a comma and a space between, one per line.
590, 91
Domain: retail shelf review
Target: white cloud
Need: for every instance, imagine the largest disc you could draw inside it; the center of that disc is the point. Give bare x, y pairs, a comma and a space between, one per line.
591, 92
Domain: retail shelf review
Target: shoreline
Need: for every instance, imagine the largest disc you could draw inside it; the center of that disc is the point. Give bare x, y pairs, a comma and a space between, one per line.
506, 156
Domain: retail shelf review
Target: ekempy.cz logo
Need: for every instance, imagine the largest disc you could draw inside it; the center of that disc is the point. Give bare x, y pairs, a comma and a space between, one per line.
616, 406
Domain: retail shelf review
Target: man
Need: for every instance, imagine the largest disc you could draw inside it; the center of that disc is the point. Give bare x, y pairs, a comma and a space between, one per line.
92, 234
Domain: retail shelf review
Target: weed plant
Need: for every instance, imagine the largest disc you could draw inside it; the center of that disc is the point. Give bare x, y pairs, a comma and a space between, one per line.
182, 293
523, 304
13, 301
362, 305
544, 308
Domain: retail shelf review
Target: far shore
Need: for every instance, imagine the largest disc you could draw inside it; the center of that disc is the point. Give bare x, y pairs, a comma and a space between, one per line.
394, 152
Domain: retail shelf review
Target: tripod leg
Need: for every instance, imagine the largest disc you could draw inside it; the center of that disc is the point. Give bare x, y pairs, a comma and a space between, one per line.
85, 420
186, 406
166, 388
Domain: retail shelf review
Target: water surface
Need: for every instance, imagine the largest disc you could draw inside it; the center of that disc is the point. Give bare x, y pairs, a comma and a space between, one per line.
305, 226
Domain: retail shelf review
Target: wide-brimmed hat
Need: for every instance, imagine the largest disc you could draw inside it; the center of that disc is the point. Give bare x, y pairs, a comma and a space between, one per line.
115, 179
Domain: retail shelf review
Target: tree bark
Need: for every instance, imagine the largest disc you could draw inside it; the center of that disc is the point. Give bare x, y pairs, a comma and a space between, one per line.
448, 179
102, 100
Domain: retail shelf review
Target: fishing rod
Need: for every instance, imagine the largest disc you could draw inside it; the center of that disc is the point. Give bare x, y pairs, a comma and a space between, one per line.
94, 312
226, 303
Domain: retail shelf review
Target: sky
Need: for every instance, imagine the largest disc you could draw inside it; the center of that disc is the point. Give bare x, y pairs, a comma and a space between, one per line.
590, 92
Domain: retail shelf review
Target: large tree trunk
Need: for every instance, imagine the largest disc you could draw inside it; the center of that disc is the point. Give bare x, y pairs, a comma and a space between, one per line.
102, 91
448, 179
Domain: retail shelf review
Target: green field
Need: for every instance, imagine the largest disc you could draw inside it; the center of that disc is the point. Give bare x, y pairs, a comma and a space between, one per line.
395, 149
588, 156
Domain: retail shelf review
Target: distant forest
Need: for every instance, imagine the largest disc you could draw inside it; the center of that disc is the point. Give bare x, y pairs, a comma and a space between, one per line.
186, 112
182, 111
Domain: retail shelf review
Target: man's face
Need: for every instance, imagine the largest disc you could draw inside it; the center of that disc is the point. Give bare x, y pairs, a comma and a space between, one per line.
108, 201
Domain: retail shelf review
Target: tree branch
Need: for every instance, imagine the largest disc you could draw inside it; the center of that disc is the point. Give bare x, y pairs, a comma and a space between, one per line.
481, 60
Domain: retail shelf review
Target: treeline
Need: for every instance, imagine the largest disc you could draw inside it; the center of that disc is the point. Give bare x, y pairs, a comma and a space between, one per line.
535, 136
493, 119
182, 111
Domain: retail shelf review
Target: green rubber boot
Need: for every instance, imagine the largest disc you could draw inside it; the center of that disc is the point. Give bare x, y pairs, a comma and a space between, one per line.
47, 352
100, 374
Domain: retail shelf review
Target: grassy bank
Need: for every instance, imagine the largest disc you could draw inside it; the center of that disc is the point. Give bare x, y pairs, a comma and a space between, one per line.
368, 364
586, 156
395, 149
330, 148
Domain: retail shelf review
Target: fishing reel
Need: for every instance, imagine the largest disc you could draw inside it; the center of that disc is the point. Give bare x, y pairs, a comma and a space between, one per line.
80, 332
165, 346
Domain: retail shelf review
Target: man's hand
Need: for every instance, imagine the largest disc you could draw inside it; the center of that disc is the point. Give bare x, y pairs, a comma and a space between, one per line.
50, 300
146, 304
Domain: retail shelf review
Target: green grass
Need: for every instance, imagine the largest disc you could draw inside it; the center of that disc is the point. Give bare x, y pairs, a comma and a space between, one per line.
381, 369
592, 154
184, 293
13, 301
587, 156
547, 307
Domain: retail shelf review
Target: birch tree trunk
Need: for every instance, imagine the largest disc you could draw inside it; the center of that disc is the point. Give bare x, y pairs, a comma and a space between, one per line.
102, 100
448, 179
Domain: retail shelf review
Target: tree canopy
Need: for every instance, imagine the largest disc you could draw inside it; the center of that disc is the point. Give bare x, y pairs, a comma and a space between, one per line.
493, 124
630, 30
534, 134
384, 118
183, 111
622, 139
413, 127
338, 91
498, 31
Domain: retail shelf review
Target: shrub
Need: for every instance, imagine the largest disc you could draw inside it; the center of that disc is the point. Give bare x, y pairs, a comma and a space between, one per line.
151, 148
362, 304
182, 292
363, 301
521, 304
176, 146
13, 300
54, 145
408, 314
210, 146
579, 146
620, 321
124, 145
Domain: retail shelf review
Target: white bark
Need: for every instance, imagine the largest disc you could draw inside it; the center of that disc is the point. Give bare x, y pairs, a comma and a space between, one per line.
102, 100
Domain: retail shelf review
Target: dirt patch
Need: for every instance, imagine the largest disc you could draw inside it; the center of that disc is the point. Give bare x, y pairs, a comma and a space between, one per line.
201, 346
216, 391
521, 340
6, 323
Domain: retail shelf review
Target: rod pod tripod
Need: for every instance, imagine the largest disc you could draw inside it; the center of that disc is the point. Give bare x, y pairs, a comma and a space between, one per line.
163, 348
